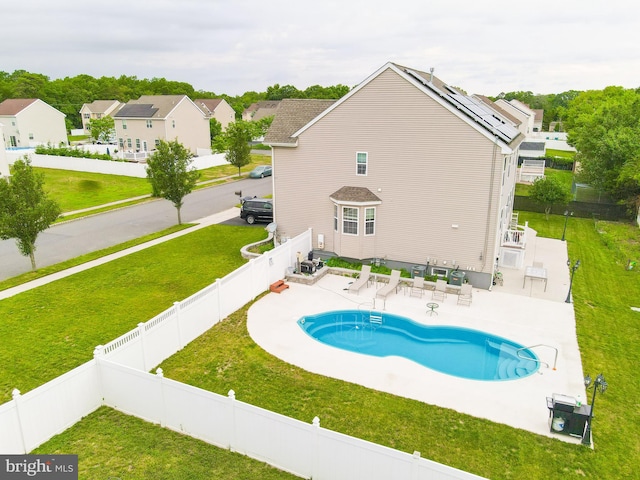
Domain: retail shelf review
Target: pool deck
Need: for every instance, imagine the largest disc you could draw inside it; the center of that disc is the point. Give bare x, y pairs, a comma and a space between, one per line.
529, 316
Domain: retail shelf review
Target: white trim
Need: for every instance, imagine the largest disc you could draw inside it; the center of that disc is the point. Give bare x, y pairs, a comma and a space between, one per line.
366, 164
364, 232
357, 221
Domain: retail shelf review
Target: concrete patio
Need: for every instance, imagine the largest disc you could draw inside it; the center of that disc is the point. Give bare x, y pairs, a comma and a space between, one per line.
529, 316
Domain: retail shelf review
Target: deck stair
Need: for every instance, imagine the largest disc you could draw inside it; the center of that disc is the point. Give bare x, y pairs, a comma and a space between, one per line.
278, 287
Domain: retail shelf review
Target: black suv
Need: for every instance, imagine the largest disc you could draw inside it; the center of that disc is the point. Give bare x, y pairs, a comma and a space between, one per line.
257, 210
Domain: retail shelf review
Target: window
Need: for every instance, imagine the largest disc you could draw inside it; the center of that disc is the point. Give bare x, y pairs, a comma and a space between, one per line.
157, 142
86, 115
137, 144
121, 143
335, 217
173, 123
31, 136
361, 163
124, 124
350, 220
149, 124
369, 221
128, 143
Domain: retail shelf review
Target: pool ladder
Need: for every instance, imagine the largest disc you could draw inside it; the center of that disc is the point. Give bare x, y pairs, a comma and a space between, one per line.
375, 317
555, 360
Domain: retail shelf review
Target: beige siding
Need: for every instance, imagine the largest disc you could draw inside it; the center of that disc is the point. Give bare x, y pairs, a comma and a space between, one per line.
39, 123
431, 170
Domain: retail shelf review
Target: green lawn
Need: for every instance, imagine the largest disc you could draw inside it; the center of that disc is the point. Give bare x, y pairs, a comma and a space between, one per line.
80, 190
226, 358
565, 176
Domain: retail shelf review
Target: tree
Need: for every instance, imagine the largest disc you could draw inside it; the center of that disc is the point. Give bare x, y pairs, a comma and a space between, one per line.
604, 128
549, 191
238, 135
103, 129
170, 173
25, 209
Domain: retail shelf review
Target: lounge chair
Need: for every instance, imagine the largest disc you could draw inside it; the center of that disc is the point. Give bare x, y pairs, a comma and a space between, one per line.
440, 292
417, 289
362, 280
466, 294
391, 286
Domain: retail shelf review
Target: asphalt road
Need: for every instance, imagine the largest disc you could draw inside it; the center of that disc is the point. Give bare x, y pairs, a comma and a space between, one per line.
78, 237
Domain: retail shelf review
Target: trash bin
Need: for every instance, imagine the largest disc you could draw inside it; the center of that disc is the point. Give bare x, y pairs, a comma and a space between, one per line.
457, 278
418, 271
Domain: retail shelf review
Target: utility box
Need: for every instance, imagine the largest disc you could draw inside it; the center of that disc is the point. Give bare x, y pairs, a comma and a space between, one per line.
418, 271
456, 278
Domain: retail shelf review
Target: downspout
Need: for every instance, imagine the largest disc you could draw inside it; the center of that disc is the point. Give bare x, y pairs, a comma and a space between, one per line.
490, 204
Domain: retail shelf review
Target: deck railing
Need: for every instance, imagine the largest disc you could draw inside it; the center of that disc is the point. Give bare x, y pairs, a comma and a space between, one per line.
514, 238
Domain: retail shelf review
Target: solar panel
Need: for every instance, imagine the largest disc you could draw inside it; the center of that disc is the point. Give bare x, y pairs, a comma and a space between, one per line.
478, 111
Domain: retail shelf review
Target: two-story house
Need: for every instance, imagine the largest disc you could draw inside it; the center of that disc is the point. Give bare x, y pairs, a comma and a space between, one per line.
217, 108
403, 168
29, 122
97, 110
141, 124
4, 163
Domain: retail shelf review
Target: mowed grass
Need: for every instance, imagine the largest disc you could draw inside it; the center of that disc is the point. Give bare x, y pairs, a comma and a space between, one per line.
226, 358
113, 445
564, 176
79, 190
54, 328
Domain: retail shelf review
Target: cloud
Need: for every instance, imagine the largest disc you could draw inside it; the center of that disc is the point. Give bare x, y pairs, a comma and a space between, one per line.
232, 47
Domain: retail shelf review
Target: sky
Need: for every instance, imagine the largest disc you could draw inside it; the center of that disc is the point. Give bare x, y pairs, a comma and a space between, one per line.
234, 46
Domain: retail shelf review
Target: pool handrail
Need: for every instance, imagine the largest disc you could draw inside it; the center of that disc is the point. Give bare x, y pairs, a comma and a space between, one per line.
555, 360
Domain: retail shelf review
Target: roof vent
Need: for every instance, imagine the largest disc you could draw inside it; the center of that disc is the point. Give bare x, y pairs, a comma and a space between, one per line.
431, 77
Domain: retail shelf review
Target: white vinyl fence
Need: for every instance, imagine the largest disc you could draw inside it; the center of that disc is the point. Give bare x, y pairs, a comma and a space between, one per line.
118, 377
128, 169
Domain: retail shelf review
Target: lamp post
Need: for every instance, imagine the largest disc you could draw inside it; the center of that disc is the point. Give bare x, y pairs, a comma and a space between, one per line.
573, 271
566, 219
601, 384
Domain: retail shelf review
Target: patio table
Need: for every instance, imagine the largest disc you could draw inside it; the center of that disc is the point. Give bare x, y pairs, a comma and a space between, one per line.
537, 273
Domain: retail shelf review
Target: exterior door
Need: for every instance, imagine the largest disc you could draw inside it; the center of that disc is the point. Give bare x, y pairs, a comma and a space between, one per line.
13, 141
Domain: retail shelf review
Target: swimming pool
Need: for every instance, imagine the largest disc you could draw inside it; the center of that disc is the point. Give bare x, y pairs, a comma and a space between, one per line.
461, 352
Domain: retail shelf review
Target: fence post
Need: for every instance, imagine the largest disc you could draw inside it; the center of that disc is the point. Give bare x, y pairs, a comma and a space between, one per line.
176, 306
232, 417
98, 353
141, 334
218, 284
415, 472
315, 461
163, 414
17, 398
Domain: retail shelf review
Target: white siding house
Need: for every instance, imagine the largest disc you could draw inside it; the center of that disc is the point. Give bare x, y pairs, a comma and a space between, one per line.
29, 122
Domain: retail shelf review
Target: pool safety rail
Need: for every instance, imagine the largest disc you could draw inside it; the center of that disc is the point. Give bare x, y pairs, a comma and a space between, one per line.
555, 359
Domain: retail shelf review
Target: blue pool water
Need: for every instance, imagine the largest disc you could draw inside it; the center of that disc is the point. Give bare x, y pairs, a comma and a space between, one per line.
461, 352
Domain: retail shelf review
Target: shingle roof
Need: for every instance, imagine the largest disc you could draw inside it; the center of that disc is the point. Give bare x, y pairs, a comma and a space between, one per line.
100, 106
207, 105
293, 114
355, 195
163, 103
532, 146
13, 106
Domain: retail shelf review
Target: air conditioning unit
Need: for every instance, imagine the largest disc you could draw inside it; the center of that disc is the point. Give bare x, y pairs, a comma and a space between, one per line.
321, 241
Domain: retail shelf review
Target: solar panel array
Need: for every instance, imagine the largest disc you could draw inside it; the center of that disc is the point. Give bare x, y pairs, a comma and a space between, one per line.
473, 108
137, 110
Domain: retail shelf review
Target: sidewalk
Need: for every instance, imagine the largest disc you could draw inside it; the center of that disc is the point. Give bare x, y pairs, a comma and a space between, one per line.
201, 223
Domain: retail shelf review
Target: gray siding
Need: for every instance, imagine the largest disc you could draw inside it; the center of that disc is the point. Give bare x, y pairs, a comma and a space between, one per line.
429, 167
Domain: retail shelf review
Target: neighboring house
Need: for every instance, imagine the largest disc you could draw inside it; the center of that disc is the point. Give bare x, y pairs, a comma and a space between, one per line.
539, 117
403, 169
4, 163
29, 122
141, 124
217, 108
259, 110
522, 112
97, 110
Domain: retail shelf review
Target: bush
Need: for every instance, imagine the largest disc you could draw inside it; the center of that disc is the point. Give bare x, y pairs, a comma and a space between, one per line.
70, 152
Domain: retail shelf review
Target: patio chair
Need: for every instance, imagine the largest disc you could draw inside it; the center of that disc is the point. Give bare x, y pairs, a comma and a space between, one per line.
440, 292
362, 280
466, 294
391, 286
417, 289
